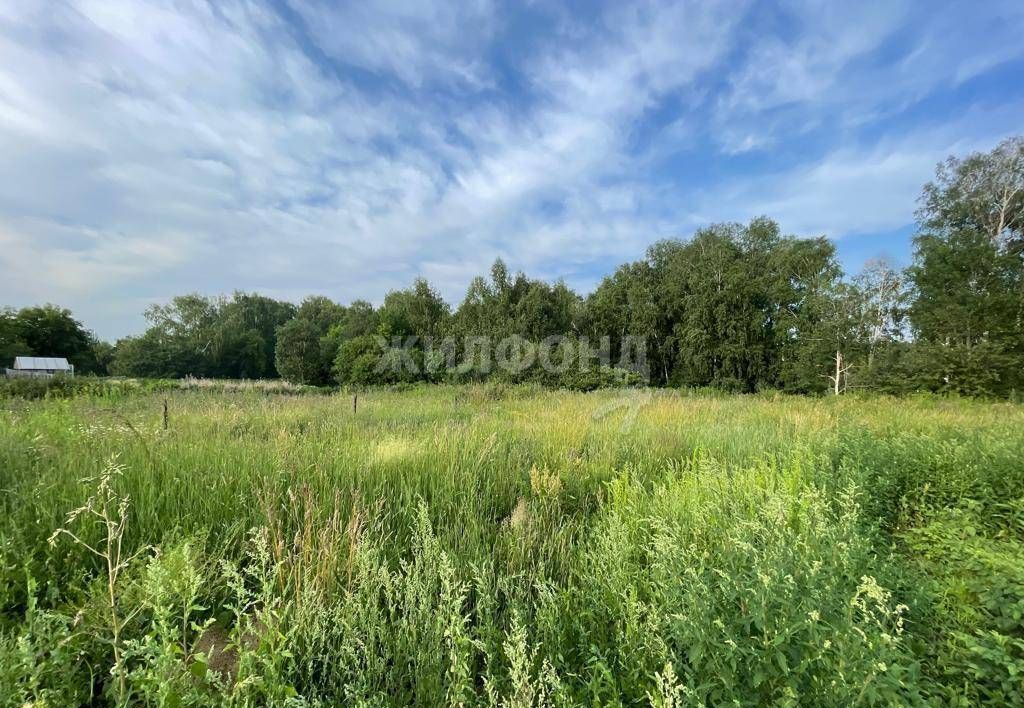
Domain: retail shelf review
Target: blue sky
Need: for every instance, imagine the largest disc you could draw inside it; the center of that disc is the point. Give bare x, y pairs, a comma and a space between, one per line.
295, 147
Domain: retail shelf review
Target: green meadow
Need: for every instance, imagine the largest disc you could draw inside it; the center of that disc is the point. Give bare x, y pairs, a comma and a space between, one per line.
509, 546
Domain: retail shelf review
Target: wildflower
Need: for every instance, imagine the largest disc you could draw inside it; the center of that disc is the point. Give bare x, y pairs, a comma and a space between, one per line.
545, 483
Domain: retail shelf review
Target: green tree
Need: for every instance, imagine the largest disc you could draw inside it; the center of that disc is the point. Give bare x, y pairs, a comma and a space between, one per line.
417, 311
736, 305
183, 339
982, 192
627, 304
368, 360
882, 298
543, 310
49, 330
739, 307
149, 355
327, 317
506, 305
246, 335
11, 343
813, 316
822, 341
360, 319
714, 309
322, 311
203, 336
968, 271
299, 355
103, 354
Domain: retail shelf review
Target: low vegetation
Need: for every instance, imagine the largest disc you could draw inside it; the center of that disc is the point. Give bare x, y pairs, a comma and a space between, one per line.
507, 545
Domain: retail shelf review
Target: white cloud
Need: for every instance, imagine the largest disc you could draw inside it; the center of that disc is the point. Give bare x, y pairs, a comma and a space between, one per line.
157, 137
845, 65
56, 262
856, 189
779, 70
418, 42
151, 148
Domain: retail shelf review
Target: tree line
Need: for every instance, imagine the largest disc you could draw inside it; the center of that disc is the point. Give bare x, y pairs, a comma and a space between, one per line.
739, 307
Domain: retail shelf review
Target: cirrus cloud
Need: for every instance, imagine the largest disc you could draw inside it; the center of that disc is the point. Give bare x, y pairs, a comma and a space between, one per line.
151, 148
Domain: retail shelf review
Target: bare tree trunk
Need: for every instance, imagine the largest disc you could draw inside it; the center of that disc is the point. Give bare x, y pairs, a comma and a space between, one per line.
839, 371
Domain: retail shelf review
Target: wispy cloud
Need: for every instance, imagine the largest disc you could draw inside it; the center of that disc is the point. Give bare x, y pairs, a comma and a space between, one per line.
148, 149
857, 189
420, 43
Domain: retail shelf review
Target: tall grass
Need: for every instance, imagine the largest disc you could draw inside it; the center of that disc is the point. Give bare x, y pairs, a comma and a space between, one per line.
488, 545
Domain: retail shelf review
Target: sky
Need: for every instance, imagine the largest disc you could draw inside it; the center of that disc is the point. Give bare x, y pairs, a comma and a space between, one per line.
297, 147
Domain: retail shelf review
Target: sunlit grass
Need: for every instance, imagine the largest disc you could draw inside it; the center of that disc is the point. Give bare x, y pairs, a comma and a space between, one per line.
446, 545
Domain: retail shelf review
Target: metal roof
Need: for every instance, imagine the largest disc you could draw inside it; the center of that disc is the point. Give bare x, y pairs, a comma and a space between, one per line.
44, 363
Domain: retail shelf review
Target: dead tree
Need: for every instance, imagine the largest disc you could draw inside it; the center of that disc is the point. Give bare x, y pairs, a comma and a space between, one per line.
839, 378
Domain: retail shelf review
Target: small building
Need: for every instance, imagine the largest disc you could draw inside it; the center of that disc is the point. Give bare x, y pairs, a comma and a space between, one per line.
40, 366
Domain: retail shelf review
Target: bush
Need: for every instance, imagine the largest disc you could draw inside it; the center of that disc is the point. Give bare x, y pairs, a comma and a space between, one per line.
975, 579
58, 386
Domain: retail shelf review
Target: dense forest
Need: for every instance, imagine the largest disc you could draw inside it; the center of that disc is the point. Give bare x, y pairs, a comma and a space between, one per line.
738, 307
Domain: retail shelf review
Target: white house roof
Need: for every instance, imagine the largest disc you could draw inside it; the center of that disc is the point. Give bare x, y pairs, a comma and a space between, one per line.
46, 363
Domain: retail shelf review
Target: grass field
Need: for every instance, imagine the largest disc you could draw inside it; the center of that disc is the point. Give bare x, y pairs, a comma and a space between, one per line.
507, 546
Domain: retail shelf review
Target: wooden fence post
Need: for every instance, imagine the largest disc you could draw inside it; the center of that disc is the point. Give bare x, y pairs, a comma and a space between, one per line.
165, 414
355, 402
